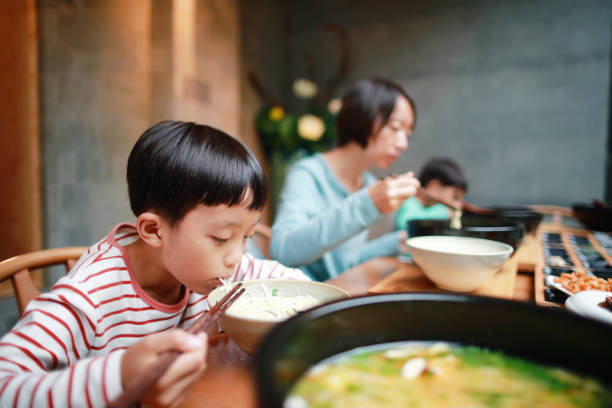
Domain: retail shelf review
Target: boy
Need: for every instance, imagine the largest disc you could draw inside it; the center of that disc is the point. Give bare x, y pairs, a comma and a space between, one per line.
197, 194
442, 176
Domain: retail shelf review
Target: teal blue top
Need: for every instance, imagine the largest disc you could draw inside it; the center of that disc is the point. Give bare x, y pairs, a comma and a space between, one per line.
323, 228
412, 209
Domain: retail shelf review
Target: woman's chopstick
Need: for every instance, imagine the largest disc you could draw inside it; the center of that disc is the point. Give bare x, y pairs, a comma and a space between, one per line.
131, 395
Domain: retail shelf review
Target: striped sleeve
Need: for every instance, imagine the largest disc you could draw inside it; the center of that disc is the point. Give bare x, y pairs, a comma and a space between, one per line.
45, 360
251, 268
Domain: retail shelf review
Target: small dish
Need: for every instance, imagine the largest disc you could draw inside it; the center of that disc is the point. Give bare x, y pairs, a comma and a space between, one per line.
550, 281
586, 303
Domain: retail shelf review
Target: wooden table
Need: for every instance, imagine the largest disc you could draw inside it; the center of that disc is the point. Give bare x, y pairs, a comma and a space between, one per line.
410, 278
228, 380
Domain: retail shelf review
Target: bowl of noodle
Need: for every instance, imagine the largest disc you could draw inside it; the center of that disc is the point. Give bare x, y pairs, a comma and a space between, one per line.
267, 302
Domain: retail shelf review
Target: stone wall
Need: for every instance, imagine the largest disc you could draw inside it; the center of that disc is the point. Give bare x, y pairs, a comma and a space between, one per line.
516, 91
111, 69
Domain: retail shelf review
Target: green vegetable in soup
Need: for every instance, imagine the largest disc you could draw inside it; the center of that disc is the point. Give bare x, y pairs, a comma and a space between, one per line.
437, 375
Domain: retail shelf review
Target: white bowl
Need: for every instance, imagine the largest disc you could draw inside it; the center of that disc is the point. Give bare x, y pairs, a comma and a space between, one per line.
459, 264
586, 303
248, 331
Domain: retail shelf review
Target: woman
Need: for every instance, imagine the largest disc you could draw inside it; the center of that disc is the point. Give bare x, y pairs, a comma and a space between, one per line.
330, 200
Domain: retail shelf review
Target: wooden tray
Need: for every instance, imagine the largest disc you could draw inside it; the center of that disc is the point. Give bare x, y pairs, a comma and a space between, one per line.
521, 278
539, 275
529, 253
410, 278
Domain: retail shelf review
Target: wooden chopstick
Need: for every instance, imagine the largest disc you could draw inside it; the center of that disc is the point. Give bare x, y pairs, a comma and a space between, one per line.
131, 395
461, 205
439, 199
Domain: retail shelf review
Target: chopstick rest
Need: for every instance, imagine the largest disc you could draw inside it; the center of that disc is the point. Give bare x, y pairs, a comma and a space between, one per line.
131, 395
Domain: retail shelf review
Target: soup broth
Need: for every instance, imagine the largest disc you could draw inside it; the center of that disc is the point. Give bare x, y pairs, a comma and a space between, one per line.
440, 375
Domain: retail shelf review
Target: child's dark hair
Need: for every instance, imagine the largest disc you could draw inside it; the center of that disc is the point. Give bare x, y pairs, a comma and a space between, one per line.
445, 170
366, 102
175, 166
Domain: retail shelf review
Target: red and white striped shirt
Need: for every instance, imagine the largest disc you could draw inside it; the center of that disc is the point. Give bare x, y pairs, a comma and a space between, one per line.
67, 347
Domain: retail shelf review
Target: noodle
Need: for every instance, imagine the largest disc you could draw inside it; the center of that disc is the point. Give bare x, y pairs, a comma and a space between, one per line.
456, 219
269, 307
441, 375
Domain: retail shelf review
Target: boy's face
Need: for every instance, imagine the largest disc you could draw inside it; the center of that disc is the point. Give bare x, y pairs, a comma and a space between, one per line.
207, 244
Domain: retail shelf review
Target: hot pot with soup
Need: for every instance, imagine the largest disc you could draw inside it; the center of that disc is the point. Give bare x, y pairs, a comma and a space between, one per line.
434, 350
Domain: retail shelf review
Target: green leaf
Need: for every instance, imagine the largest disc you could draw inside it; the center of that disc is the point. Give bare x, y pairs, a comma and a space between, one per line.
287, 132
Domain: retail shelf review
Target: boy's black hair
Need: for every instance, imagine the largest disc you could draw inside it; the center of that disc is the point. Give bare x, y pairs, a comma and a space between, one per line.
175, 166
445, 170
366, 102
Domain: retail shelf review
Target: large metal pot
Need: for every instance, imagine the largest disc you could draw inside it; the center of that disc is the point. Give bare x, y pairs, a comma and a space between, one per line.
548, 336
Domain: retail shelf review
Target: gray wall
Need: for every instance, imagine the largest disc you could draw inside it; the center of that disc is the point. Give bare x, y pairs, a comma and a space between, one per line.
516, 91
94, 104
109, 70
264, 50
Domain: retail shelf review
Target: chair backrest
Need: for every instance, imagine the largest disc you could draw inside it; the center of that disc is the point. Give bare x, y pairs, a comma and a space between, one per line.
18, 269
262, 237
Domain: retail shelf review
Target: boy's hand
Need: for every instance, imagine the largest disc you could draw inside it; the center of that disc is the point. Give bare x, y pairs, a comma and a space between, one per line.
389, 193
173, 385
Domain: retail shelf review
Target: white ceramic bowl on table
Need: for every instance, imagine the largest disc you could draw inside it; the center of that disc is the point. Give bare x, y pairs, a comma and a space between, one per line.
247, 330
459, 264
586, 303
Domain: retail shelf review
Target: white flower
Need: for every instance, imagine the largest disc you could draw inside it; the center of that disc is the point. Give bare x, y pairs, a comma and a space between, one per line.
304, 88
334, 105
311, 127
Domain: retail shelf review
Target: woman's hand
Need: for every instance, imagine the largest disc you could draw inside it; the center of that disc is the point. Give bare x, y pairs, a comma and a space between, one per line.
389, 193
403, 248
172, 386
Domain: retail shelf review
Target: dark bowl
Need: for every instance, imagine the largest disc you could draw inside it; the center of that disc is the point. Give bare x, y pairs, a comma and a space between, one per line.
514, 214
471, 226
548, 336
598, 218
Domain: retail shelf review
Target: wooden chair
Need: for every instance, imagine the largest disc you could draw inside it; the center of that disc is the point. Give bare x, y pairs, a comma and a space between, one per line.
18, 269
262, 237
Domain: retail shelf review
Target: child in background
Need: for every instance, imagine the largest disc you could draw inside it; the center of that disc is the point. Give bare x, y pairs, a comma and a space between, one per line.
440, 175
197, 194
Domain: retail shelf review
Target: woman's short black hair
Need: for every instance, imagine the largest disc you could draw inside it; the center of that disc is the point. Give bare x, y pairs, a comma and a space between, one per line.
445, 170
366, 102
175, 166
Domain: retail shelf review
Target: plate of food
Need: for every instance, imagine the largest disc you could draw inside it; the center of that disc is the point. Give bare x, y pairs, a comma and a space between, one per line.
575, 282
596, 304
552, 282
